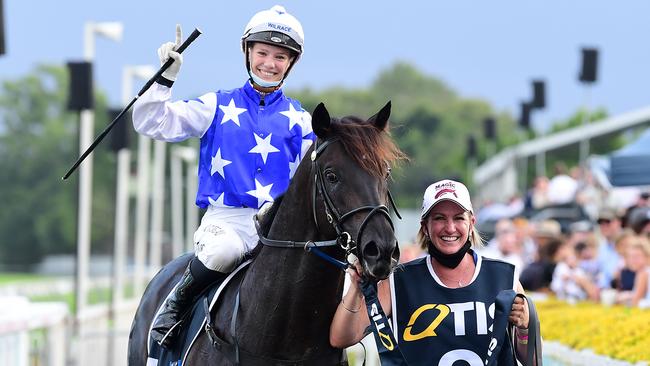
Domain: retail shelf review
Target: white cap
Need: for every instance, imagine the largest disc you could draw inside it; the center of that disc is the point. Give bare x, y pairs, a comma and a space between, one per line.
446, 190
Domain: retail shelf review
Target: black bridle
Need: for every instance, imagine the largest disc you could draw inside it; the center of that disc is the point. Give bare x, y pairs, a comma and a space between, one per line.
334, 217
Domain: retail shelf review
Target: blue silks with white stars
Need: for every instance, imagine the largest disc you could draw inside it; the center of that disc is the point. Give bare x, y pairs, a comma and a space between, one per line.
252, 148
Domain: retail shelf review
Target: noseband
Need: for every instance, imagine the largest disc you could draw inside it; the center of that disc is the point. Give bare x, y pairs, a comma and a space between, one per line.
334, 217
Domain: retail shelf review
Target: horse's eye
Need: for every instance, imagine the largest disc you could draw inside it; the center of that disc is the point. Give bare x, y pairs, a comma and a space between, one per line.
331, 177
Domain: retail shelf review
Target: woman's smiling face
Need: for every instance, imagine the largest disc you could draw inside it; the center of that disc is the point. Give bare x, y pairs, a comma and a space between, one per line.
269, 62
448, 226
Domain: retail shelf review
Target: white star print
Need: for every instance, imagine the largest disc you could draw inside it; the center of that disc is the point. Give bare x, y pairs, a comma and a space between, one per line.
218, 164
262, 193
306, 124
263, 147
295, 117
218, 202
231, 112
306, 144
293, 166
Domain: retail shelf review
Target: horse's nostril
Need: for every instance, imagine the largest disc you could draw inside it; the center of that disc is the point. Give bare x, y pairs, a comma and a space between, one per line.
370, 250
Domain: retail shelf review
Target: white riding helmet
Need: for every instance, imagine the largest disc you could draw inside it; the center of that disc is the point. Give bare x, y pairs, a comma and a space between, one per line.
275, 27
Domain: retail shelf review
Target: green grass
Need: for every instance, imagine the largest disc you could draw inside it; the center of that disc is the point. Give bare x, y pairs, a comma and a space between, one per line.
17, 278
97, 295
100, 295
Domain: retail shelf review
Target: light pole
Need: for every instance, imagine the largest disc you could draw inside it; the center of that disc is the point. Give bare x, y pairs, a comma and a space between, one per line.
122, 213
142, 212
113, 31
588, 76
179, 155
157, 206
539, 102
143, 72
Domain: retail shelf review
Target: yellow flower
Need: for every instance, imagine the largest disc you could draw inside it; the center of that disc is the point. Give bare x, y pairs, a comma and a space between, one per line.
618, 332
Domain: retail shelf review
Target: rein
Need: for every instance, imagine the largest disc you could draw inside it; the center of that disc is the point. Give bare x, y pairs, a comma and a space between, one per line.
334, 217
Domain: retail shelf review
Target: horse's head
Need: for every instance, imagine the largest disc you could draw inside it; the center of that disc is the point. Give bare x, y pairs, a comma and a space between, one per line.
351, 166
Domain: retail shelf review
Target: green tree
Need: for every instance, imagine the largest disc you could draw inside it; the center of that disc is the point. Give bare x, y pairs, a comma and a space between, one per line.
38, 142
429, 121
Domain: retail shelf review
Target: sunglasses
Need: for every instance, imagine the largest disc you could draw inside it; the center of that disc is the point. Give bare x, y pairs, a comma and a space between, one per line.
603, 221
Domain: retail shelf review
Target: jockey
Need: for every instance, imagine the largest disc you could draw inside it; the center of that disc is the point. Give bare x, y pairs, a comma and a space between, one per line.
251, 141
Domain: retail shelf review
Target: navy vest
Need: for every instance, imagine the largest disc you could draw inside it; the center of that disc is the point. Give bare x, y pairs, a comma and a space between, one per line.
436, 325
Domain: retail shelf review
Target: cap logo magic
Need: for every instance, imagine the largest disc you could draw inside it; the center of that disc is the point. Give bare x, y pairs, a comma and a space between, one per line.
445, 191
445, 184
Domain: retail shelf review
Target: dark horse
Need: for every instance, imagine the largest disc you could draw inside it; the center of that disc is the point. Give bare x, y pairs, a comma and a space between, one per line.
339, 195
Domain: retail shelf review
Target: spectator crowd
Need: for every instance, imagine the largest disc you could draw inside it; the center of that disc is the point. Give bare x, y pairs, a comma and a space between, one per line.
603, 256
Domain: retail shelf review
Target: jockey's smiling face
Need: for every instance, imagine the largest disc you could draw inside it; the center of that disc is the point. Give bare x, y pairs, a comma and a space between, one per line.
269, 62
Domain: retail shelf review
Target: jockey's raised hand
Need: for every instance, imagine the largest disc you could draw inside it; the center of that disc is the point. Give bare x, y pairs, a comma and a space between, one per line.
168, 50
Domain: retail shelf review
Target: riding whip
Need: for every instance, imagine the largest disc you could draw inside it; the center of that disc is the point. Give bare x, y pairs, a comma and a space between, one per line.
197, 32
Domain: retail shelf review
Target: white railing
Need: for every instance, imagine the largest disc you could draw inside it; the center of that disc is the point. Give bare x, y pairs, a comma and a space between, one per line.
45, 333
566, 355
97, 342
19, 317
497, 178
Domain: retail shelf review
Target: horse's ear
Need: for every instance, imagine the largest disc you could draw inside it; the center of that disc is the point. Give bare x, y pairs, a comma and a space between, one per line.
320, 120
380, 120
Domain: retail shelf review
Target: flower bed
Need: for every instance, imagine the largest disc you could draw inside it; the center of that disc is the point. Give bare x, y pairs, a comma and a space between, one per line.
618, 332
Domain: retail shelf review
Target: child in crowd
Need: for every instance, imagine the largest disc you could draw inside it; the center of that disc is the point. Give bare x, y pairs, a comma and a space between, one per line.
624, 277
570, 282
637, 259
548, 240
586, 252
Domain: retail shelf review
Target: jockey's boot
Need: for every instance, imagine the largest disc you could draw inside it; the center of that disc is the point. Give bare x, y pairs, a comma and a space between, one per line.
195, 279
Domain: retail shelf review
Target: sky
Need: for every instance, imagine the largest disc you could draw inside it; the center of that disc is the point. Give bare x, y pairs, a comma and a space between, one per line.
490, 50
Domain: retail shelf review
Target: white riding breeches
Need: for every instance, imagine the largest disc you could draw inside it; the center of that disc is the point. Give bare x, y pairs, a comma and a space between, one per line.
224, 236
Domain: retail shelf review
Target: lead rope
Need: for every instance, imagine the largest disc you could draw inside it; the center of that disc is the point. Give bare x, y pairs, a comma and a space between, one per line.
389, 352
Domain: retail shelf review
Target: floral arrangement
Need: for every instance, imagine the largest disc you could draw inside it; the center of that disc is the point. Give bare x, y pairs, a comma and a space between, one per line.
618, 332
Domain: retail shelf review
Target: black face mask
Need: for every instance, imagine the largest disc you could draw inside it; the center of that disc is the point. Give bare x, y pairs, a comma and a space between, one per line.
449, 260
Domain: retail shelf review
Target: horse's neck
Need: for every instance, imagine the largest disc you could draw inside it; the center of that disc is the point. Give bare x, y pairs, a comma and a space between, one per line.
292, 287
294, 221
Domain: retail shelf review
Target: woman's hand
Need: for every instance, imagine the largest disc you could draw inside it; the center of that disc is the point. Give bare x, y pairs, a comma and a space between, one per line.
519, 313
354, 271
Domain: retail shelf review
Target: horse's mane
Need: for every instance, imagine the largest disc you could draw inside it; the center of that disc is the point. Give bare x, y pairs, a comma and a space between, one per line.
372, 149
